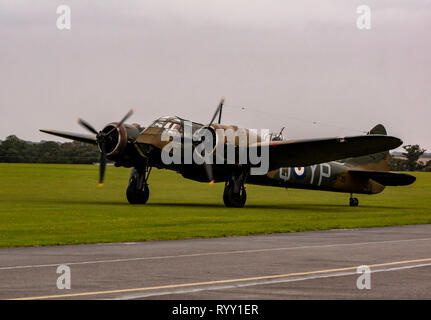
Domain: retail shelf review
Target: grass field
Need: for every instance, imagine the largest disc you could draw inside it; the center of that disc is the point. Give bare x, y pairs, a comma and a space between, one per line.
61, 204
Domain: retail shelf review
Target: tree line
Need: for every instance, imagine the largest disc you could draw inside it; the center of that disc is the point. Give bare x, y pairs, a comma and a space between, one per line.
410, 160
15, 150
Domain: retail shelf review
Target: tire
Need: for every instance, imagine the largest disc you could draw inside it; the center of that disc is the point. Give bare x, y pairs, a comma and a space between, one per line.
354, 202
135, 196
234, 200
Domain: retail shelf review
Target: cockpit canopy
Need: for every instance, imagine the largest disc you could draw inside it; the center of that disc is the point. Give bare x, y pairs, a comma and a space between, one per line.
172, 123
166, 122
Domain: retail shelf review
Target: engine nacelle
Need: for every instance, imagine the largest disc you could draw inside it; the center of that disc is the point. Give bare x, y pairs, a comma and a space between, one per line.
116, 141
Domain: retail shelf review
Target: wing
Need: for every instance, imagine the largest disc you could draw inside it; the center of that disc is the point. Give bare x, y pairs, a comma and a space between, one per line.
386, 178
302, 153
87, 138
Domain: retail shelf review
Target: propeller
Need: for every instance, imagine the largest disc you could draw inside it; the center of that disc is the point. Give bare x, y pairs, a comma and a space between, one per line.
218, 111
127, 116
88, 126
208, 166
101, 139
209, 172
102, 164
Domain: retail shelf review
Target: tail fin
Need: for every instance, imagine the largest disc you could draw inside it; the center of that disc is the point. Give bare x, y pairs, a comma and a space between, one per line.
379, 129
376, 161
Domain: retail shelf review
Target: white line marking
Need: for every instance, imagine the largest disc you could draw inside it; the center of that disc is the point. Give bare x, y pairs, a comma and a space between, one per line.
210, 254
225, 281
266, 282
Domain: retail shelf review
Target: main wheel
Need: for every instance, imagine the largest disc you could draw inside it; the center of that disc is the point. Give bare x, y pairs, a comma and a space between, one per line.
234, 200
354, 202
135, 196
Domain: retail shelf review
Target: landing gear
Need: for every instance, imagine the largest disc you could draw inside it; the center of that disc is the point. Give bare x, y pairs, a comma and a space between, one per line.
234, 199
137, 191
354, 202
234, 194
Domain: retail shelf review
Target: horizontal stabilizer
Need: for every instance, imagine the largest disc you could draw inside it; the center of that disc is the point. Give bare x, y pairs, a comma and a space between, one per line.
87, 138
386, 178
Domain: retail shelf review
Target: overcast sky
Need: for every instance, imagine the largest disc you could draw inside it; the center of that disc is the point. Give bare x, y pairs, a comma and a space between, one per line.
300, 64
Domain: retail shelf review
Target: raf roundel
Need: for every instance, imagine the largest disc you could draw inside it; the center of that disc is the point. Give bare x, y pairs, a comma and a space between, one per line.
299, 172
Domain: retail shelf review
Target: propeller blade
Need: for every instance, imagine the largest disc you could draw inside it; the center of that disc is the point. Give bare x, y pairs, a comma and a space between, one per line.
102, 164
127, 116
218, 111
209, 171
87, 126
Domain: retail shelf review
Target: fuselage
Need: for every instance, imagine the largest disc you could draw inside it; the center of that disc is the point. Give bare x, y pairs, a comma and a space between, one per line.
331, 176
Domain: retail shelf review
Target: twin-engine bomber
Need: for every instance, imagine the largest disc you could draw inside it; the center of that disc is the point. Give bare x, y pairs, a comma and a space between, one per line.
355, 165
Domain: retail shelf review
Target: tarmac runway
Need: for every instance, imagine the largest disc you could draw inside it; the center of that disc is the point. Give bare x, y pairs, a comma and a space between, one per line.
306, 265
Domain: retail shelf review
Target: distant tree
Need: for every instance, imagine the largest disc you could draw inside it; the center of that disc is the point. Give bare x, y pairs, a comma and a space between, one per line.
398, 164
427, 166
412, 154
13, 149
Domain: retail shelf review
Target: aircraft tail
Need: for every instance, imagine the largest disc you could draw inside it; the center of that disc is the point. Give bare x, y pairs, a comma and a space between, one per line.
377, 161
376, 166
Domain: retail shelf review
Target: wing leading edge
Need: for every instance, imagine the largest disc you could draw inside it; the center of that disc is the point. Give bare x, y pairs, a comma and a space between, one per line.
301, 153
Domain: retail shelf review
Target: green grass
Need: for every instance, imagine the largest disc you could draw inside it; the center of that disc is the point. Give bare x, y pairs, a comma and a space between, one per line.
61, 204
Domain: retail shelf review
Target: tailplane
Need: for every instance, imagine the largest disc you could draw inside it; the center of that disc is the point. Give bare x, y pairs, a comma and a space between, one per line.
377, 161
376, 166
385, 178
